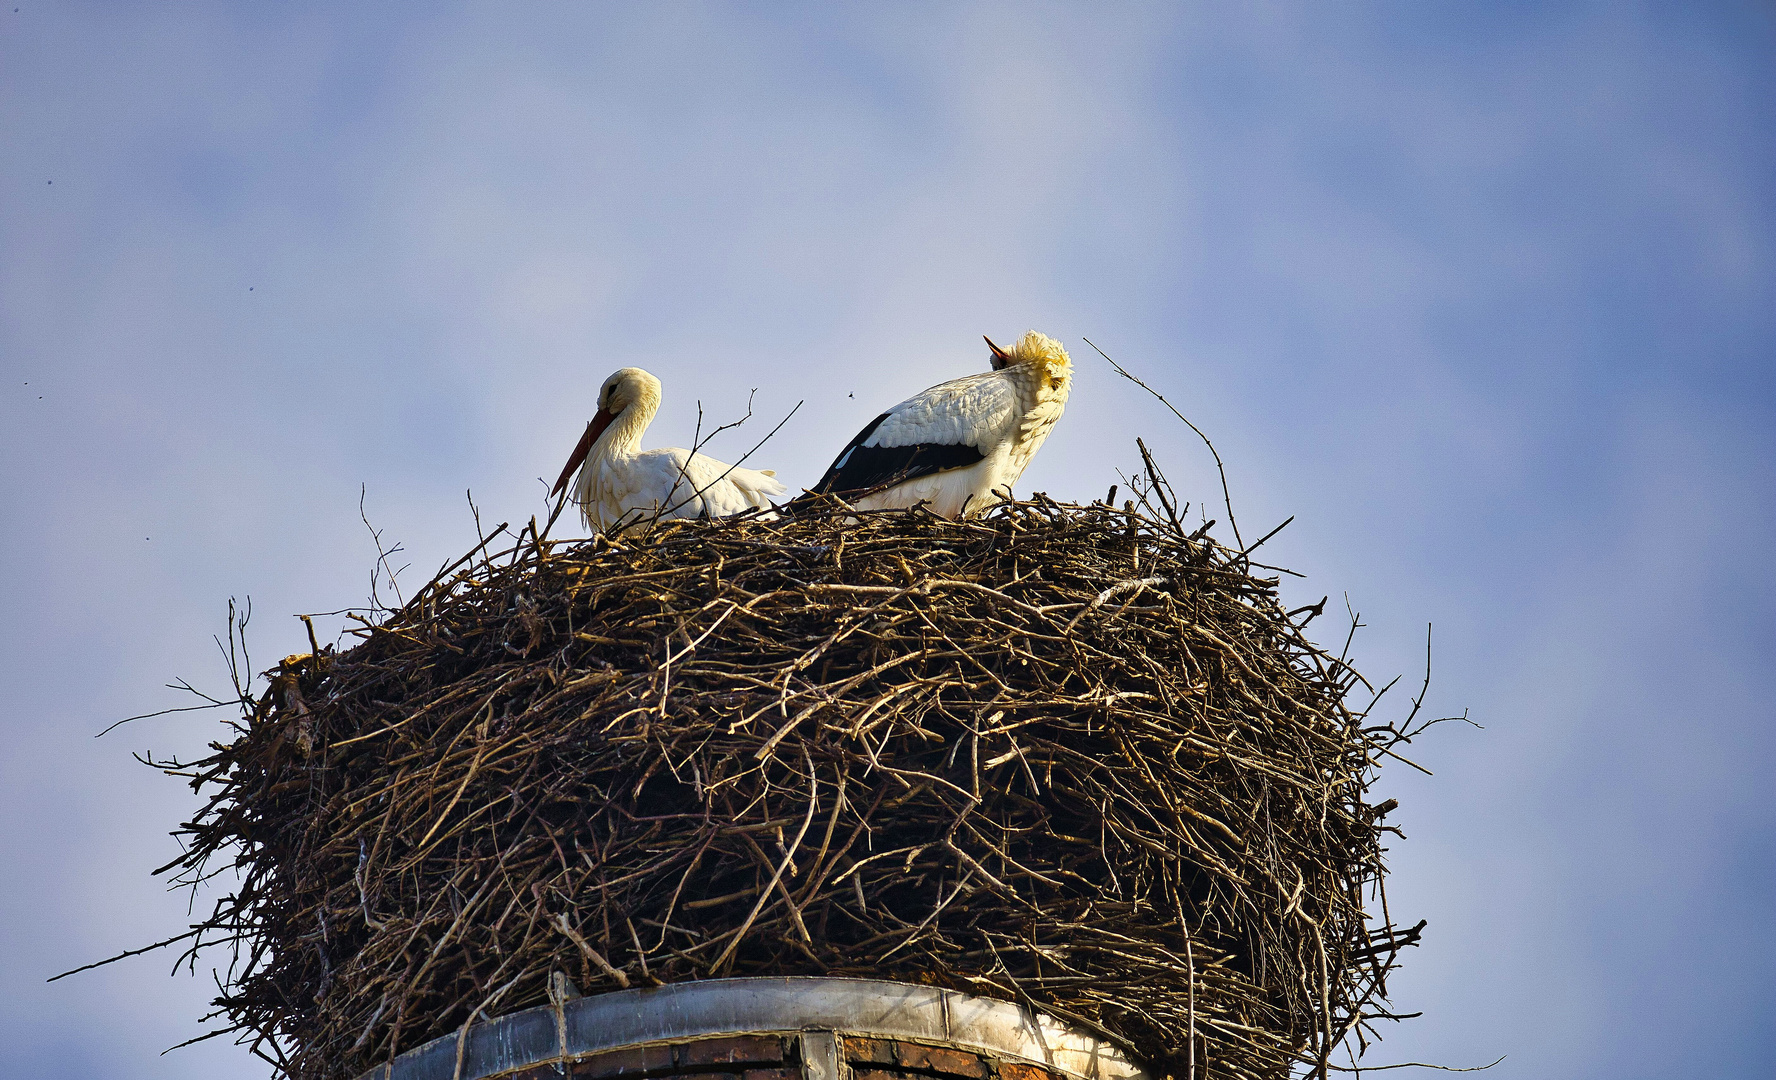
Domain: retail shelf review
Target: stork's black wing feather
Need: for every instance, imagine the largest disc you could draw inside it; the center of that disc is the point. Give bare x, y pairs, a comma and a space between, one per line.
861, 468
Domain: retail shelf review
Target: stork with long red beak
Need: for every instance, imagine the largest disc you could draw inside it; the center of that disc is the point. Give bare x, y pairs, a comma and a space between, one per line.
959, 446
619, 482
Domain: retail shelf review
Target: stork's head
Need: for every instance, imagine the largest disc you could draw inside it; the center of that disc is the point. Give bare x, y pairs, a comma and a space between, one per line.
625, 388
1041, 353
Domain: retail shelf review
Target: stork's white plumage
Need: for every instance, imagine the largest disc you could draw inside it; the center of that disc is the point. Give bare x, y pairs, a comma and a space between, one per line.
960, 445
620, 482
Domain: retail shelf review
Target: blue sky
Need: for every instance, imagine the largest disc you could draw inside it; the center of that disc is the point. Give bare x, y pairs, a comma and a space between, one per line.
1485, 295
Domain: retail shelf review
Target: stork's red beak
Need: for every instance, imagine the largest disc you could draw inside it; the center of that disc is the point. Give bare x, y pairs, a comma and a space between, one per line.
594, 428
1000, 356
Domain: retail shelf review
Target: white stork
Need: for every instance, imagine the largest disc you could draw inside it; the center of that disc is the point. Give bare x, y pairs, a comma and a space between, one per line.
619, 480
961, 444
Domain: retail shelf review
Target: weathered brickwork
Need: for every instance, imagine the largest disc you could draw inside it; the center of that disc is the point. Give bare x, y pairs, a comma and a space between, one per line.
1017, 1070
891, 1059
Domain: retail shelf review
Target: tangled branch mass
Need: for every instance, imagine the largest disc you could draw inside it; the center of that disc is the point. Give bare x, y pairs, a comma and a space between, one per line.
1066, 756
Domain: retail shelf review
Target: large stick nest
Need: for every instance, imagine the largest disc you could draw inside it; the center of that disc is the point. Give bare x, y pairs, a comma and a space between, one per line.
1065, 756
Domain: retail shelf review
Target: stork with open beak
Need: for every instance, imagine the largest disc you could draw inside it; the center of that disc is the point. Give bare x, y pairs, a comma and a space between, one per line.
620, 482
960, 445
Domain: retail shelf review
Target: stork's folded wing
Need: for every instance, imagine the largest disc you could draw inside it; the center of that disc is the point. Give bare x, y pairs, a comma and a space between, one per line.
950, 426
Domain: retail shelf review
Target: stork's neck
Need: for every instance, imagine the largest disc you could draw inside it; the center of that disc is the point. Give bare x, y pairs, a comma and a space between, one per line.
623, 438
